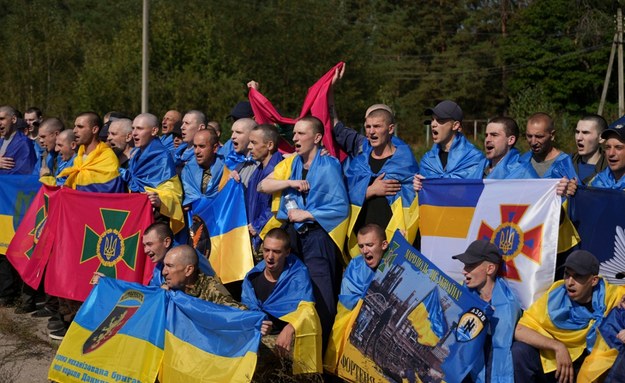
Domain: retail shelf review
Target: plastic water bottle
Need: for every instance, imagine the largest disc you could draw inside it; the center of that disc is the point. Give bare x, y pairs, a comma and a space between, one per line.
290, 202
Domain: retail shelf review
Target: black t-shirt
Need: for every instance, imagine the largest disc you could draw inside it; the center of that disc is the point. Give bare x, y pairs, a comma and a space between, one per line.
376, 209
443, 155
263, 289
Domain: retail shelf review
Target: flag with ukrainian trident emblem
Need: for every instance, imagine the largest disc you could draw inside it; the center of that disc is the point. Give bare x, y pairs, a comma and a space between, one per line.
519, 216
21, 251
96, 232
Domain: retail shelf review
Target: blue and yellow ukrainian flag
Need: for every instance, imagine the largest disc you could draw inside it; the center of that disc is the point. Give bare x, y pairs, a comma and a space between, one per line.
402, 167
292, 301
117, 335
555, 316
98, 172
326, 200
356, 280
226, 221
208, 342
152, 170
16, 195
428, 319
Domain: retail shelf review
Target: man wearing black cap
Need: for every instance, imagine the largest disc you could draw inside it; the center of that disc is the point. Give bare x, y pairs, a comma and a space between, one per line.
482, 260
612, 176
243, 109
452, 155
558, 331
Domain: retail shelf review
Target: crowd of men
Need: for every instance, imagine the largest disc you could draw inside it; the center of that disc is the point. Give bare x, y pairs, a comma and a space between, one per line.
181, 164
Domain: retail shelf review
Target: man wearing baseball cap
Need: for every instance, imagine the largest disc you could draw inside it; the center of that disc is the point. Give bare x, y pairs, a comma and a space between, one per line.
559, 330
482, 261
614, 145
452, 155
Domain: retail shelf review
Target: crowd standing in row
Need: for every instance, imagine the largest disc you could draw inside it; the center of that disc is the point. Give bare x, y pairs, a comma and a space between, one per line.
180, 164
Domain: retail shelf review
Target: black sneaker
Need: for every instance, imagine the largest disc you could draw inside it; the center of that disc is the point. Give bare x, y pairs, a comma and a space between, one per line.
56, 325
42, 313
25, 308
58, 334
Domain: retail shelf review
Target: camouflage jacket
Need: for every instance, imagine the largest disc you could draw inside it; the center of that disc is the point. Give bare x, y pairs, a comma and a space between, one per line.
211, 289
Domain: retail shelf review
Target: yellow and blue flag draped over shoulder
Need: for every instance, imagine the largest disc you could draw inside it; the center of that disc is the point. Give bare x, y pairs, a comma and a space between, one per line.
16, 194
116, 336
327, 199
407, 285
464, 161
519, 216
401, 166
356, 280
556, 316
99, 172
428, 319
192, 182
291, 301
152, 170
208, 342
608, 351
226, 221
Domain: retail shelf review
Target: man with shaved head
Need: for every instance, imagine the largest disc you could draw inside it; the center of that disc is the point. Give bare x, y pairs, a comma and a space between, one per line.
152, 170
192, 122
201, 176
181, 271
120, 140
48, 132
543, 159
238, 162
167, 128
66, 149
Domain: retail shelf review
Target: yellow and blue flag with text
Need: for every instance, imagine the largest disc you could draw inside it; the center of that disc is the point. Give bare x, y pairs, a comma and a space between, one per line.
226, 221
208, 342
402, 167
519, 216
116, 336
415, 318
16, 194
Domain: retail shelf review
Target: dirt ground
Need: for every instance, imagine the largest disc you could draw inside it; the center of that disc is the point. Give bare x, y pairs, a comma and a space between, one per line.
26, 351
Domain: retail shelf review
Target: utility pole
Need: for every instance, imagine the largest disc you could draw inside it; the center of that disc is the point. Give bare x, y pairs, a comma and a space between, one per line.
145, 58
619, 31
616, 42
